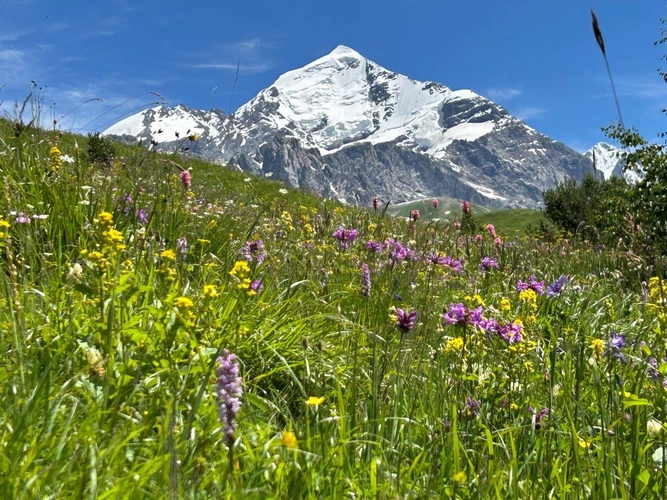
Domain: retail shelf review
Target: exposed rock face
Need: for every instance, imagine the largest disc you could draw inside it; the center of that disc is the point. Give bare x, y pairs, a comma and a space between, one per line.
348, 128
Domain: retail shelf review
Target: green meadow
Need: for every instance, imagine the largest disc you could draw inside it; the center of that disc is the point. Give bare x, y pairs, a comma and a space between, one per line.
174, 329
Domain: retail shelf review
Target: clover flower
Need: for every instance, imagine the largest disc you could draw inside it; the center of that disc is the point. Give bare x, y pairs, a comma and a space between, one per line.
186, 179
229, 393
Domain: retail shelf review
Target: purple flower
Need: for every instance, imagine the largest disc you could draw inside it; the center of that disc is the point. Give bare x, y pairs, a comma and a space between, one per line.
460, 315
538, 416
533, 284
253, 250
616, 343
556, 287
472, 406
142, 216
365, 281
229, 393
256, 286
434, 258
511, 332
405, 321
345, 237
374, 246
488, 263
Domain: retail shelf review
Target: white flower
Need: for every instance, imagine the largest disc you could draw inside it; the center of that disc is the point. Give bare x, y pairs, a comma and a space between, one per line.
67, 159
247, 179
282, 191
268, 174
76, 271
653, 428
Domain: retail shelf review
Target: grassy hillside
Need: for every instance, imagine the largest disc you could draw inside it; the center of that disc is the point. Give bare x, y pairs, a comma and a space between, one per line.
214, 335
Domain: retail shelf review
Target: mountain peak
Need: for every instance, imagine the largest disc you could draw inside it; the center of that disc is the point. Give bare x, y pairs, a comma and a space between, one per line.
344, 50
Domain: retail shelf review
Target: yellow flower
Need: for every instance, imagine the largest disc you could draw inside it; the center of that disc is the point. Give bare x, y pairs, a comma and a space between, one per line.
288, 439
529, 297
454, 345
209, 292
314, 401
168, 254
598, 346
459, 477
193, 137
202, 241
505, 304
183, 303
372, 227
240, 269
583, 443
105, 219
308, 229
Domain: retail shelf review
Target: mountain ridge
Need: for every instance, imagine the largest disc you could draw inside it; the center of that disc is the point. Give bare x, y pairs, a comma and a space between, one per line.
346, 127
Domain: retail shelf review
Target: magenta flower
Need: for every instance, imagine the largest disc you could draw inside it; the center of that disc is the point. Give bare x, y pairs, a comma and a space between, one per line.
465, 206
365, 281
375, 203
460, 315
415, 215
435, 203
345, 237
491, 230
405, 321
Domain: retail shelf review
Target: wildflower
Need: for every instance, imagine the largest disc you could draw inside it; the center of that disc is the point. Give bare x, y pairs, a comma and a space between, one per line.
488, 263
498, 242
616, 343
142, 216
583, 443
193, 137
75, 271
253, 250
505, 304
282, 191
240, 269
414, 215
209, 292
533, 284
472, 407
656, 290
95, 361
459, 477
229, 393
22, 218
491, 230
105, 219
183, 303
374, 246
537, 416
405, 321
345, 237
454, 345
375, 203
435, 203
460, 315
168, 255
529, 297
457, 225
465, 207
556, 287
256, 287
113, 239
478, 238
182, 247
365, 281
186, 179
314, 401
597, 345
654, 428
56, 158
288, 439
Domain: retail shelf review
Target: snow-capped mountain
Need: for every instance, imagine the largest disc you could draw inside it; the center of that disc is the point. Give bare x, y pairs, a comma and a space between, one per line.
608, 160
349, 128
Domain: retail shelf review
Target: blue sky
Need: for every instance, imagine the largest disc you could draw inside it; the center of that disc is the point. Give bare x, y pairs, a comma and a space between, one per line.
538, 59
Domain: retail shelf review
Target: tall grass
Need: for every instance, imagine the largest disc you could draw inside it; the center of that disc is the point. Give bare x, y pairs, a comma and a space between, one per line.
116, 304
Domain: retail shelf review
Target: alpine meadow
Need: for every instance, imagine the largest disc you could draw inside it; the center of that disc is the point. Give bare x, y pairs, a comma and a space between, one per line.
355, 286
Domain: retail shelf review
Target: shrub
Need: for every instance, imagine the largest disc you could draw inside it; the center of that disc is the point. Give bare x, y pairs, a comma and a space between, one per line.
100, 151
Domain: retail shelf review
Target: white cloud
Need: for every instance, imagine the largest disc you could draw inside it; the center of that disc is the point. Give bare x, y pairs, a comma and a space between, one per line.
503, 93
251, 53
529, 112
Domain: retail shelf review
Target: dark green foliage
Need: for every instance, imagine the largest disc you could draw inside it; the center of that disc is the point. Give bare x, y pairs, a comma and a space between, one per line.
596, 210
100, 151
